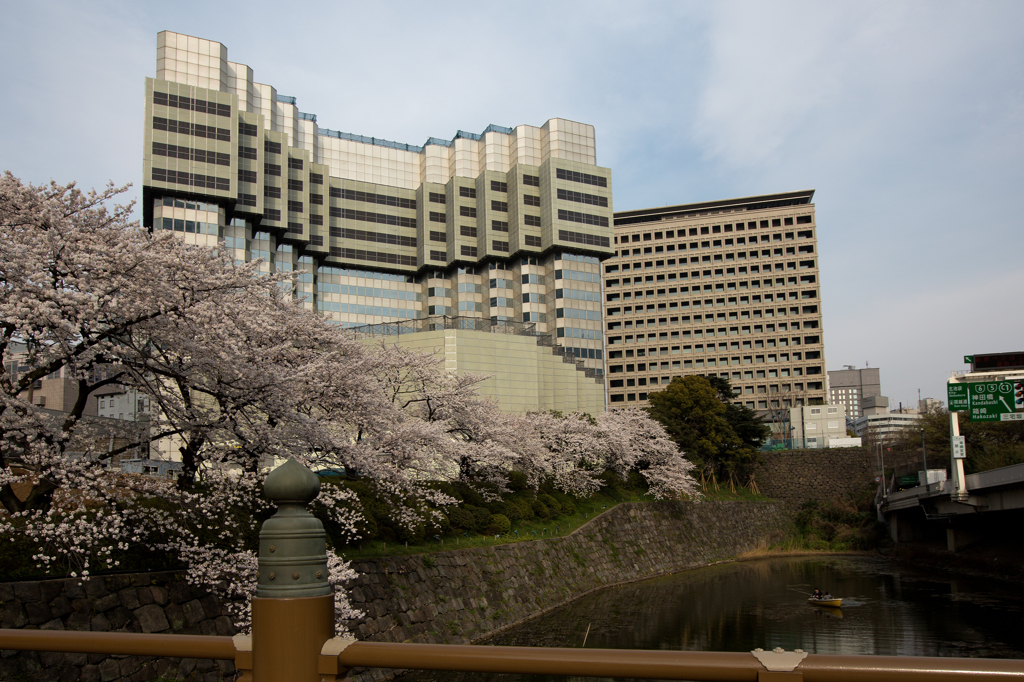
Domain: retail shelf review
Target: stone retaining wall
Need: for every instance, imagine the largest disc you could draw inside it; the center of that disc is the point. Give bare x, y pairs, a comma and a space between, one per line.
148, 602
463, 595
795, 476
456, 596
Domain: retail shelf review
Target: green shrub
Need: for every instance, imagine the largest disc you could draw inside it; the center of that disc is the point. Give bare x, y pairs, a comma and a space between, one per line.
525, 505
498, 507
470, 495
499, 525
461, 518
517, 482
516, 510
540, 509
481, 518
551, 503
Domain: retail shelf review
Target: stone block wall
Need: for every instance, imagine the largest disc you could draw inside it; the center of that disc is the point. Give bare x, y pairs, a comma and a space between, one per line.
148, 602
795, 476
456, 596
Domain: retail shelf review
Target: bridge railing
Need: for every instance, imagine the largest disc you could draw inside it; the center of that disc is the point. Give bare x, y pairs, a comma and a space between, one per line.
338, 656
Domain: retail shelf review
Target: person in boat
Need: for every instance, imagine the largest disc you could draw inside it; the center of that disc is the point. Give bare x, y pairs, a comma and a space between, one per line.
817, 594
828, 596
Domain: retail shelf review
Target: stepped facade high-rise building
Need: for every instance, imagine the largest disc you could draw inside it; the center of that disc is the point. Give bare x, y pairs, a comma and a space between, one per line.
502, 230
728, 288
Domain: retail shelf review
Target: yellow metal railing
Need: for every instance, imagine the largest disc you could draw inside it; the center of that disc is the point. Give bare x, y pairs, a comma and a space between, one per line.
338, 656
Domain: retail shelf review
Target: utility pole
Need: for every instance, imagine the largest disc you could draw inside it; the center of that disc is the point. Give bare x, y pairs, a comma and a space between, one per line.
924, 455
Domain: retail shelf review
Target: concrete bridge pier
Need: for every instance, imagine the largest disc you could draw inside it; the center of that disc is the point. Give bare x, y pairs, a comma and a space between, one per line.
958, 537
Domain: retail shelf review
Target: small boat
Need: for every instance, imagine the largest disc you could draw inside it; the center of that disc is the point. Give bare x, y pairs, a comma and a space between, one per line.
835, 603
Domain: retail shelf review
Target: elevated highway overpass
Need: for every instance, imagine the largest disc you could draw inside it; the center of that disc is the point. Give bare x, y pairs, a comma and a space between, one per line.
984, 495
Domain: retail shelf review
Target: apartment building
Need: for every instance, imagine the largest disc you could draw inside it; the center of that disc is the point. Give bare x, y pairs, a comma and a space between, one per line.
505, 226
728, 288
856, 389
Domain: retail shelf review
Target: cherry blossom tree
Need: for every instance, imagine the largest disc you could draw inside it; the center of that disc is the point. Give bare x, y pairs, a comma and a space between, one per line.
238, 374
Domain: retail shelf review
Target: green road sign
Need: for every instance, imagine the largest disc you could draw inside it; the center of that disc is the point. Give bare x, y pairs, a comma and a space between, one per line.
990, 399
957, 397
968, 359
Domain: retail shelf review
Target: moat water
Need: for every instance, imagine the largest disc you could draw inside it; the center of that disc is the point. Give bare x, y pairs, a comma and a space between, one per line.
888, 609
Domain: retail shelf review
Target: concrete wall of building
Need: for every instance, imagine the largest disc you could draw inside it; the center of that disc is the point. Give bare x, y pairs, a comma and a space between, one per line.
852, 387
522, 376
818, 424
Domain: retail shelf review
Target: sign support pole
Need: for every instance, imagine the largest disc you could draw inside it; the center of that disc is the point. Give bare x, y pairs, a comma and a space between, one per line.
959, 493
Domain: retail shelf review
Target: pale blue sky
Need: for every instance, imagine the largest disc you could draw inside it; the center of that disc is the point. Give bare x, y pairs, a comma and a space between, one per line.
906, 117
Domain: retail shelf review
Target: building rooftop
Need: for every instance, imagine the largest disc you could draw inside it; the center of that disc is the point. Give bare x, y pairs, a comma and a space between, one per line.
761, 201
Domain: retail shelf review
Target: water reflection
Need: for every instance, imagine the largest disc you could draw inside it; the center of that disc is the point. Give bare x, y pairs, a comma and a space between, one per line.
887, 610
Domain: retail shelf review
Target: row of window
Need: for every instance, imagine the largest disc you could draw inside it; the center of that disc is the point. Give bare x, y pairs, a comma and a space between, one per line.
578, 275
247, 129
372, 292
368, 217
372, 256
761, 404
348, 233
191, 179
582, 238
325, 271
371, 198
586, 353
192, 129
191, 204
190, 226
730, 272
721, 243
700, 333
354, 309
200, 106
578, 314
584, 178
581, 198
674, 306
578, 294
717, 229
577, 333
725, 361
271, 147
675, 350
585, 218
189, 154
